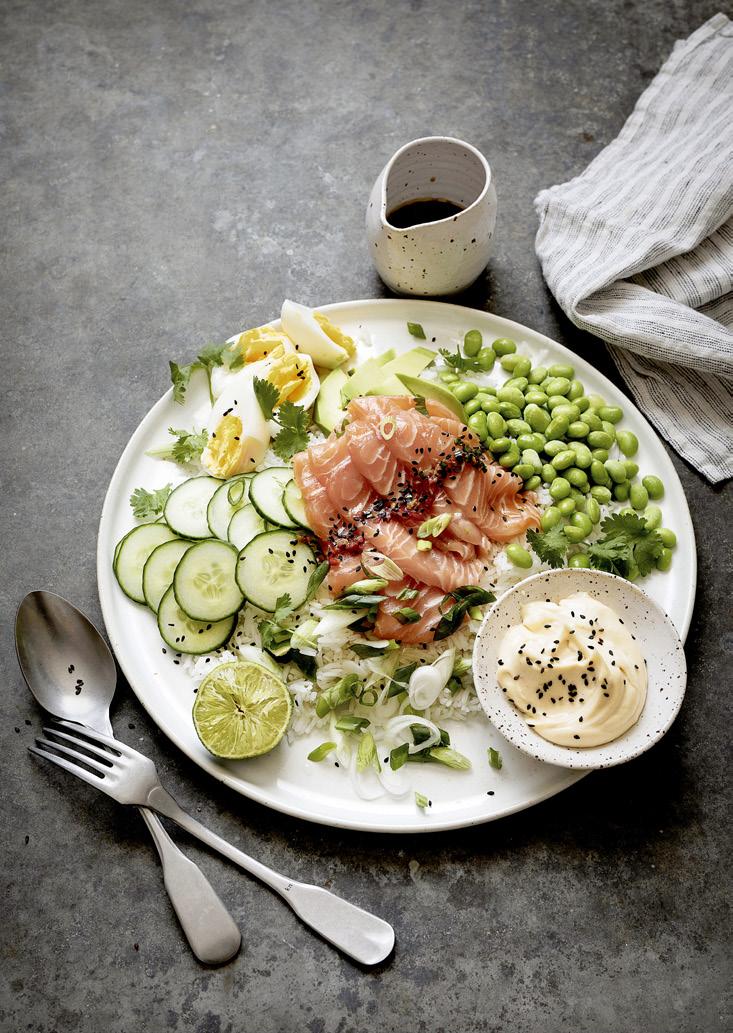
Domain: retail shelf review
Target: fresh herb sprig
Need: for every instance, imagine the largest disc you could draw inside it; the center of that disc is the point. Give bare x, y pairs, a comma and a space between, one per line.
464, 599
292, 419
211, 355
628, 547
186, 448
147, 505
275, 633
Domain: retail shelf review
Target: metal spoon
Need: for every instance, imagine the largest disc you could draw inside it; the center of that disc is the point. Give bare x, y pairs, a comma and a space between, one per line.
72, 674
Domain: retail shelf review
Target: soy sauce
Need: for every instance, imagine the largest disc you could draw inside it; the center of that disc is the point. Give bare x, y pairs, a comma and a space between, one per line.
427, 209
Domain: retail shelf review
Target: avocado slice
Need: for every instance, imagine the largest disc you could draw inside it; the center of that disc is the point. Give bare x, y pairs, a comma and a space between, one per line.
427, 389
328, 412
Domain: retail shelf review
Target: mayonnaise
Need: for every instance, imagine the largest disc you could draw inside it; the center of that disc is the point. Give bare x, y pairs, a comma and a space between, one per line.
574, 671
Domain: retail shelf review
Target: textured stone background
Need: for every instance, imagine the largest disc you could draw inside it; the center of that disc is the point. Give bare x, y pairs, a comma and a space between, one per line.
171, 171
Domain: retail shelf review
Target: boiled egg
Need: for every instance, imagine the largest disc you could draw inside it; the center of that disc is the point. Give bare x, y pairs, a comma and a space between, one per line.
252, 346
314, 334
239, 434
292, 373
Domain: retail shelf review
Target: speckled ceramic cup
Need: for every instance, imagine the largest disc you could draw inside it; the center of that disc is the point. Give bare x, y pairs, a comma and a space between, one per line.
433, 258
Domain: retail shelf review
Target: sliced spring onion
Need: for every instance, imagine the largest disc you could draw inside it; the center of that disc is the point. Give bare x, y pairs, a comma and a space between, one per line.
416, 330
400, 679
336, 694
367, 649
494, 758
423, 545
408, 594
421, 801
379, 565
235, 492
387, 427
321, 752
406, 615
366, 755
461, 666
369, 586
451, 758
435, 526
398, 756
369, 697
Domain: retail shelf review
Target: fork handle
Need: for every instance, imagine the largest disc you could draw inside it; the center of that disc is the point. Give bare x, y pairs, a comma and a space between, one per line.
363, 936
212, 933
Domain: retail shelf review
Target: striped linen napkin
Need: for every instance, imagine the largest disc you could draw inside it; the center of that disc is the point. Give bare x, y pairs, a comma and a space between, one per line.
638, 249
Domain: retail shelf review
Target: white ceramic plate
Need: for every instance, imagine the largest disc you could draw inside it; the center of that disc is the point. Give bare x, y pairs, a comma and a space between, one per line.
644, 619
318, 792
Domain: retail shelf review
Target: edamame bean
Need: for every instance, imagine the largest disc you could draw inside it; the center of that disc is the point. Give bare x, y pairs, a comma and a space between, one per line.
511, 394
601, 493
510, 457
577, 478
664, 560
599, 439
535, 397
529, 455
669, 538
583, 457
496, 424
558, 386
472, 405
533, 483
580, 560
524, 470
549, 473
567, 506
653, 517
503, 346
556, 428
616, 471
477, 423
486, 359
582, 521
489, 404
593, 509
522, 366
578, 429
510, 411
564, 459
537, 418
601, 454
612, 413
518, 556
631, 469
562, 369
609, 429
550, 518
593, 420
576, 391
517, 427
560, 488
464, 391
565, 409
599, 473
638, 497
621, 491
535, 441
582, 402
509, 362
500, 444
573, 533
654, 485
596, 401
552, 448
537, 375
628, 442
519, 382
472, 343
449, 378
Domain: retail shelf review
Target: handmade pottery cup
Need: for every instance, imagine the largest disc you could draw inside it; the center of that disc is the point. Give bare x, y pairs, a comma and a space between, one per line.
442, 256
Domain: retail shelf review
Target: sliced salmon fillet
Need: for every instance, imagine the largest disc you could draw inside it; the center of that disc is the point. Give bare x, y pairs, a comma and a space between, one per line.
427, 604
346, 488
441, 569
346, 572
372, 456
317, 504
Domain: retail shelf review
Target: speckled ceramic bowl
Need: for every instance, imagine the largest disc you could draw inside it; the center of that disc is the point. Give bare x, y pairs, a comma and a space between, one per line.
661, 645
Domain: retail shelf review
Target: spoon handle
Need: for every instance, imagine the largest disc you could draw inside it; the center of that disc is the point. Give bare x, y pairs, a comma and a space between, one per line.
212, 933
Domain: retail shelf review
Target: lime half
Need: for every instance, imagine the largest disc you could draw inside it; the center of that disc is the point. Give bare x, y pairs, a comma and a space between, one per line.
241, 710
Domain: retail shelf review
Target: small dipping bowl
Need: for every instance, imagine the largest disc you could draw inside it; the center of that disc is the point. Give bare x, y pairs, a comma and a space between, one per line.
658, 640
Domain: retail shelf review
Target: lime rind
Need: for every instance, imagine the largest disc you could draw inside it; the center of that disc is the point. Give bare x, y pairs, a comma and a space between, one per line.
241, 710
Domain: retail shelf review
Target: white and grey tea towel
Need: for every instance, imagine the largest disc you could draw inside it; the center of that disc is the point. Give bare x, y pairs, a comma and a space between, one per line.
638, 249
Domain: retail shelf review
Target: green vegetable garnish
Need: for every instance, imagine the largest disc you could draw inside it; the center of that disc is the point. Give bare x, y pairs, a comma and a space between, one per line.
408, 594
421, 801
293, 420
435, 526
406, 615
322, 751
399, 756
366, 755
350, 723
451, 758
210, 356
187, 447
416, 330
465, 599
337, 694
494, 758
149, 504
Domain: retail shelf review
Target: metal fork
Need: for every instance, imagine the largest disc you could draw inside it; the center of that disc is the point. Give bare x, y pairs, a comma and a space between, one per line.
130, 778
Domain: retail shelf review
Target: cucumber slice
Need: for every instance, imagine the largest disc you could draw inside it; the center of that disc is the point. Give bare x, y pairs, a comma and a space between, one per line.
244, 525
293, 503
189, 636
224, 503
273, 564
204, 583
159, 569
185, 508
131, 554
266, 495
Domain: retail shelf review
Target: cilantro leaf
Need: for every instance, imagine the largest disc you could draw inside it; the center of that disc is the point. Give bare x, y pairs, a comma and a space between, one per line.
647, 552
149, 504
628, 546
211, 355
550, 546
180, 377
267, 396
283, 607
293, 437
187, 447
459, 363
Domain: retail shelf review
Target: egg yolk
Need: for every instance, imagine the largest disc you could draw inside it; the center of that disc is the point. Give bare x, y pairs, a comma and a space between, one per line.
290, 373
336, 335
229, 451
260, 342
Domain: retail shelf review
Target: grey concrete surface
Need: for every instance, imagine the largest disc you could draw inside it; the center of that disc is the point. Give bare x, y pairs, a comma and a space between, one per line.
170, 172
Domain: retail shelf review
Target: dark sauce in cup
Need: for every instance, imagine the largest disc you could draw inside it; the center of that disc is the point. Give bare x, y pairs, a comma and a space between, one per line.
424, 209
